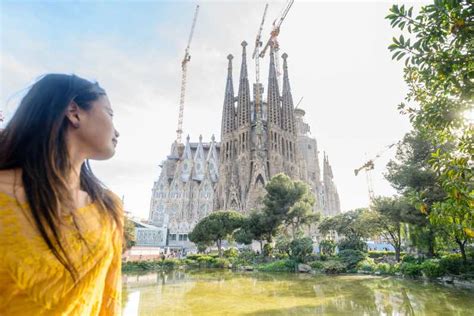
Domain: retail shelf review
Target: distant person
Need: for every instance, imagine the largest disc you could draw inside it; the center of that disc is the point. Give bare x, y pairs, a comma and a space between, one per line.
60, 229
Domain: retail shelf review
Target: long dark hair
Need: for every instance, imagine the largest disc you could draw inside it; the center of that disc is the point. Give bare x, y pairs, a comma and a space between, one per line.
34, 141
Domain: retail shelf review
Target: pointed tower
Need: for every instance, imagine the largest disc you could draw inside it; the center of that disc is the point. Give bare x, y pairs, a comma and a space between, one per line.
228, 112
287, 119
199, 162
243, 105
187, 162
273, 95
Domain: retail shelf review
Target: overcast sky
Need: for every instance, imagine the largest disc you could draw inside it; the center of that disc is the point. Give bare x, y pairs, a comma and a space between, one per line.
338, 62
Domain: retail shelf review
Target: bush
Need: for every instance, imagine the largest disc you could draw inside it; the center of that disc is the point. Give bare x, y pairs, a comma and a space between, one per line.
246, 256
381, 254
286, 265
231, 253
333, 267
410, 269
301, 248
411, 259
267, 250
327, 247
367, 265
452, 263
384, 268
346, 244
432, 268
316, 265
351, 257
170, 263
220, 263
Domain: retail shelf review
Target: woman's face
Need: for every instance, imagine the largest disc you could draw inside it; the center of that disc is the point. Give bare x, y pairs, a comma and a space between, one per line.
96, 135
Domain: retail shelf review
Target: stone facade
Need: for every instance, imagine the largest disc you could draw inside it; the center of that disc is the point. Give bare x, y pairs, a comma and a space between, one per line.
259, 139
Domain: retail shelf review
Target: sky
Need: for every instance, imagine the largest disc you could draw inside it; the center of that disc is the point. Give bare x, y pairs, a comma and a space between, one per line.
338, 62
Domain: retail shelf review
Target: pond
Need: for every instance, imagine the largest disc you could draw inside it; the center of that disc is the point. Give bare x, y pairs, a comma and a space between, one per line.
222, 292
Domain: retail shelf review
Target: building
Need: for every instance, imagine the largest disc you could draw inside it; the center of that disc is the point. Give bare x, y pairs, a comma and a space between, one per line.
259, 139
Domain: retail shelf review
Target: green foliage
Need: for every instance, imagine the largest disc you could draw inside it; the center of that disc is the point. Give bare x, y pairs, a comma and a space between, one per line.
353, 225
380, 254
351, 257
216, 227
285, 265
300, 248
333, 267
316, 265
452, 264
439, 71
327, 247
432, 268
287, 204
267, 250
367, 265
129, 233
352, 244
231, 253
410, 269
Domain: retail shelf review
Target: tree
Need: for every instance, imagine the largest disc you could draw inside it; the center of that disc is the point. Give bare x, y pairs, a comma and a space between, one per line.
327, 247
254, 227
410, 173
129, 233
216, 227
387, 217
289, 204
439, 70
353, 225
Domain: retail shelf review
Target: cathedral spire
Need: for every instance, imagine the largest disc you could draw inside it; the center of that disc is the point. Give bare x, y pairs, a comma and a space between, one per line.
273, 96
288, 120
243, 106
228, 113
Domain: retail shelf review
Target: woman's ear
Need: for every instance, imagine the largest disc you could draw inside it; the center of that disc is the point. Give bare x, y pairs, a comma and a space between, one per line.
73, 115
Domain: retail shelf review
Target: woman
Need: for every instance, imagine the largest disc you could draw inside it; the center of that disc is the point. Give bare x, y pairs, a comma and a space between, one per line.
60, 229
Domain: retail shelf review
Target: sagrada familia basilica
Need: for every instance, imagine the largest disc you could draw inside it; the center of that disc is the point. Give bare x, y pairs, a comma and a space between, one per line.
258, 140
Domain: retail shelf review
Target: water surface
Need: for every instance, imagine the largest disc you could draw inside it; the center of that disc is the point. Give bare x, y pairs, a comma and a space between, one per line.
221, 292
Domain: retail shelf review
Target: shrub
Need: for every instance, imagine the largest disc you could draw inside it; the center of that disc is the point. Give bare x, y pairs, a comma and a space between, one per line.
410, 259
246, 256
351, 257
384, 268
301, 248
316, 265
231, 253
285, 265
353, 244
267, 250
327, 247
410, 269
220, 263
367, 265
333, 267
452, 263
281, 256
382, 253
170, 263
432, 268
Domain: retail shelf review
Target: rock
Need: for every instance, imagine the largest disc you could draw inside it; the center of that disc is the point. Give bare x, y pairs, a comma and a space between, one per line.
304, 268
377, 273
247, 268
229, 266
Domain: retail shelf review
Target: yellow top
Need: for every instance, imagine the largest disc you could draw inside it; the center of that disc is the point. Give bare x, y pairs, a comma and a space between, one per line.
34, 282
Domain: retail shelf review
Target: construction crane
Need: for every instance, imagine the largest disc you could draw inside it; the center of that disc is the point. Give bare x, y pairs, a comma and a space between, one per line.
256, 56
273, 40
297, 104
184, 63
368, 166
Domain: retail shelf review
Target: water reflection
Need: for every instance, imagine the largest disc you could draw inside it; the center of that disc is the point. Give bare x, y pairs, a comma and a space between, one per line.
232, 293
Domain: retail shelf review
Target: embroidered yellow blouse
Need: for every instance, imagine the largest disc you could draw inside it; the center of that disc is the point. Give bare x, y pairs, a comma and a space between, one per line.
33, 281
